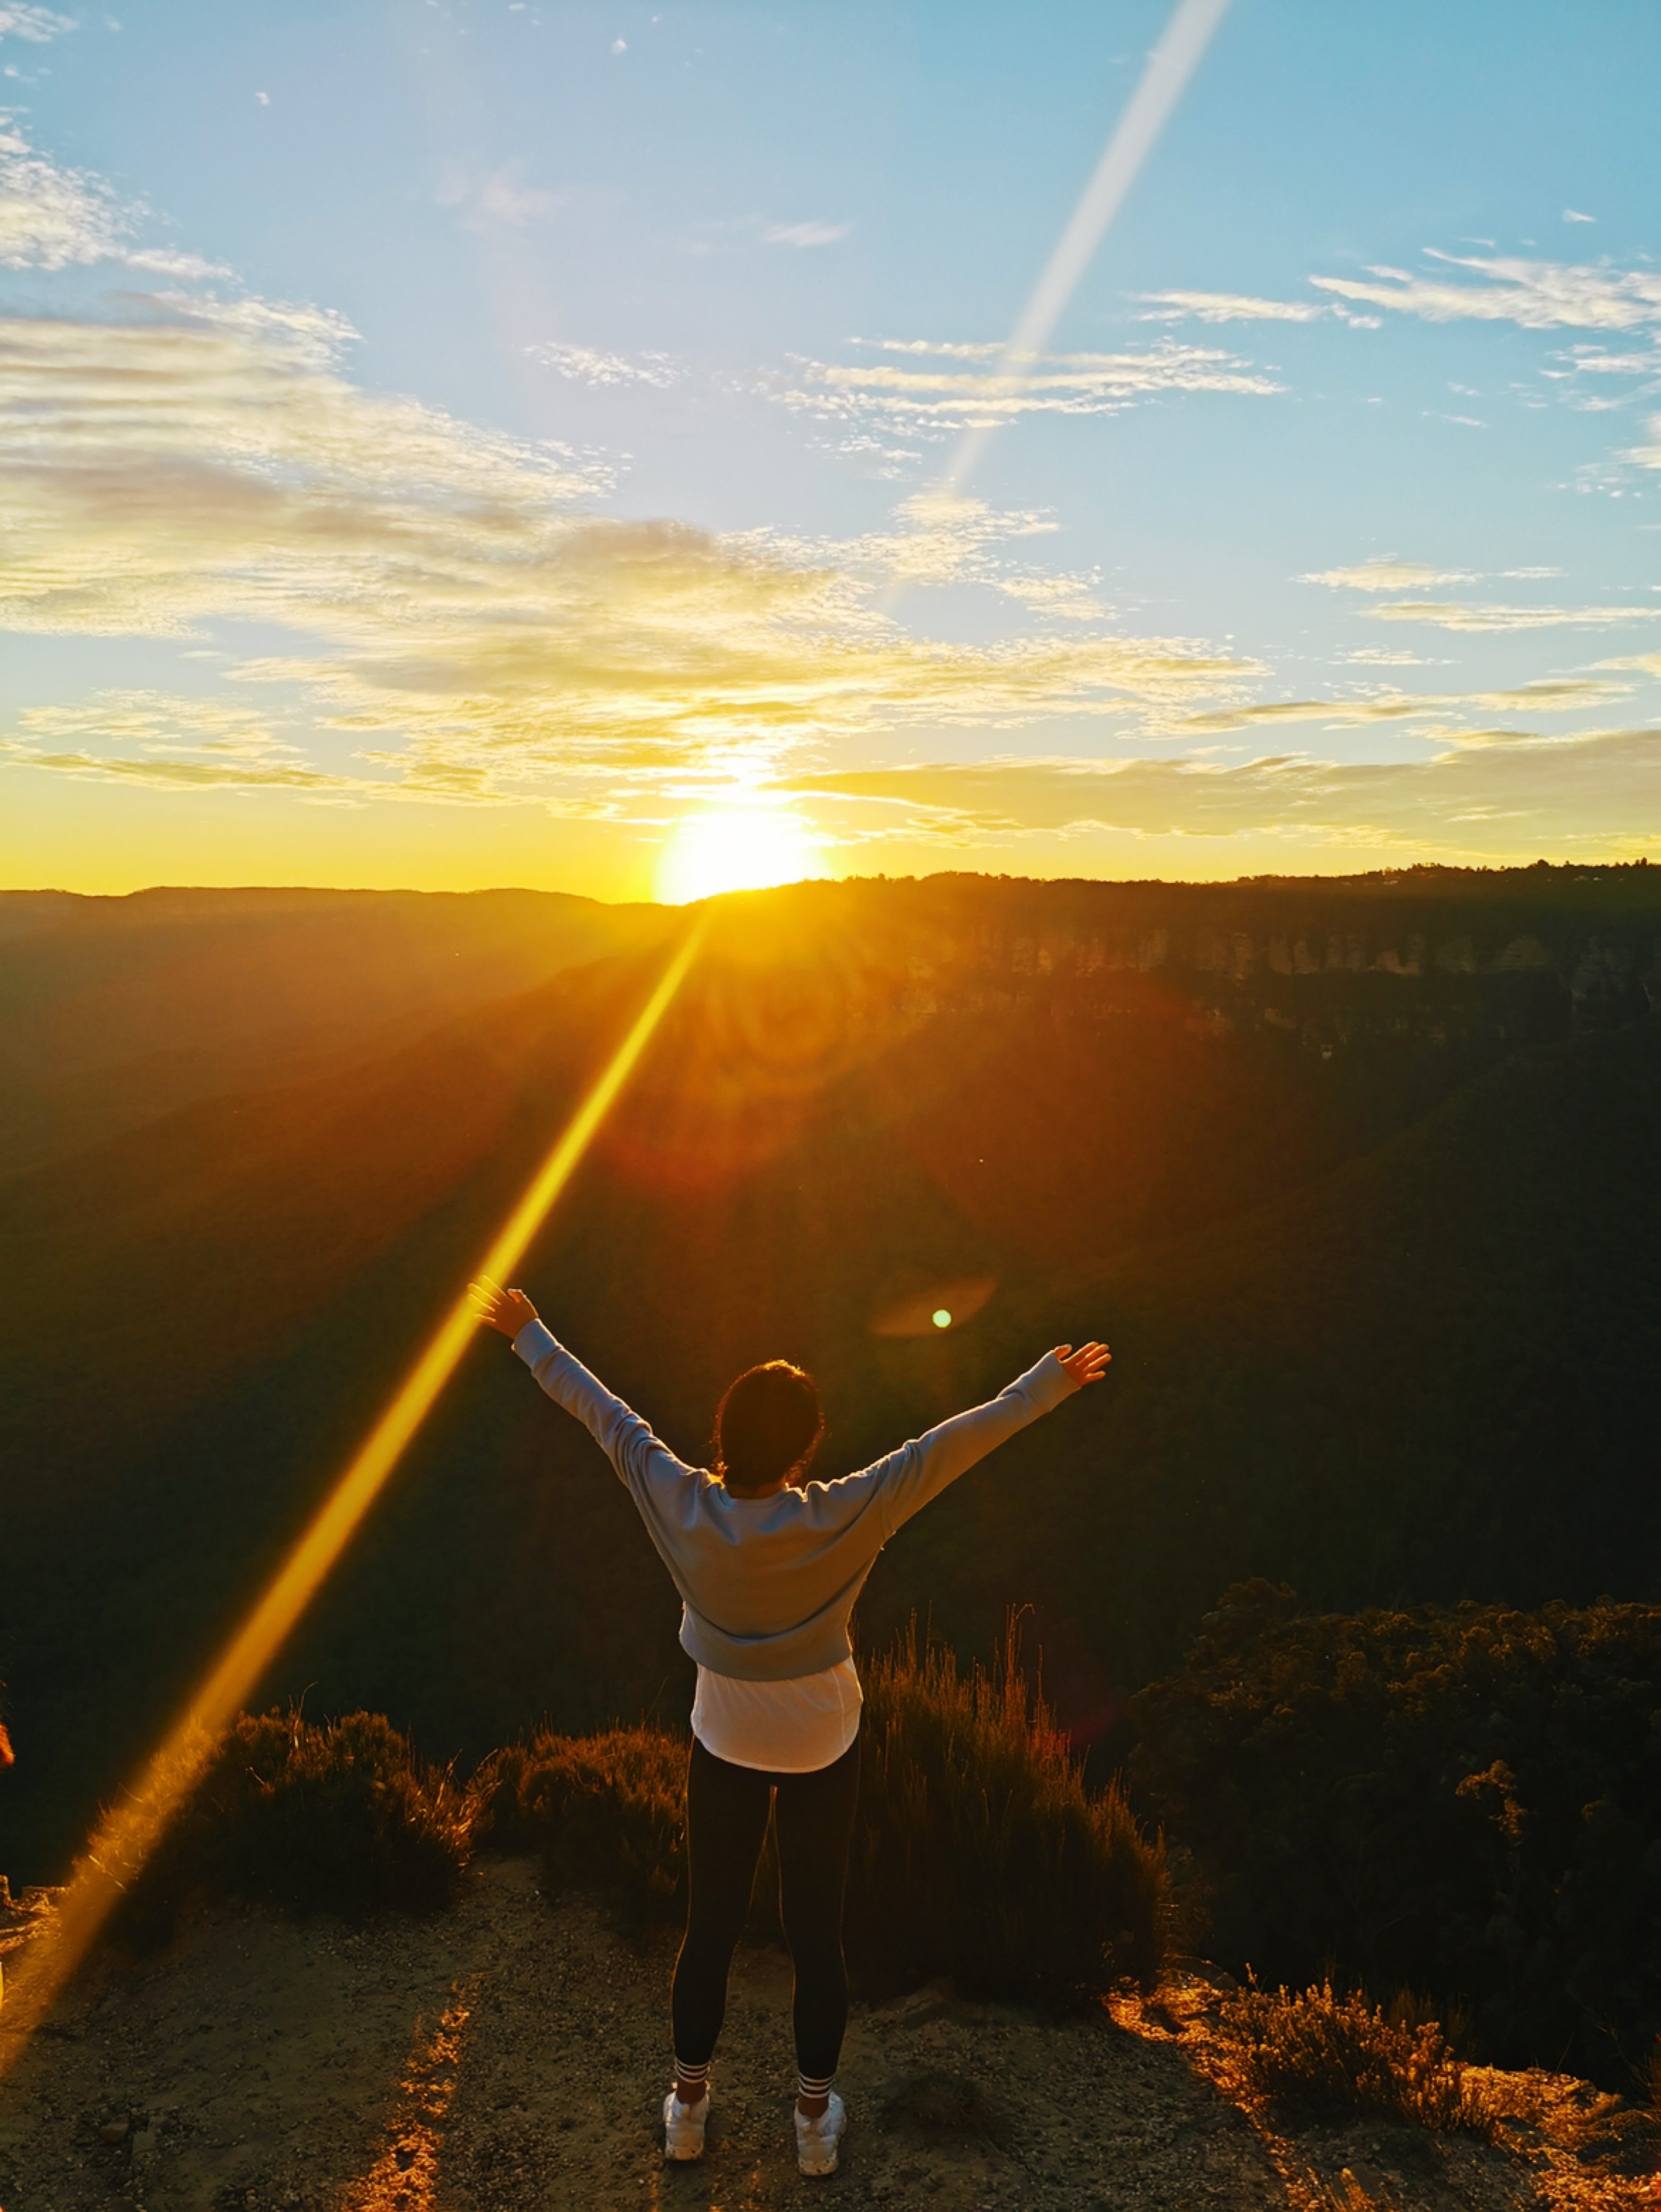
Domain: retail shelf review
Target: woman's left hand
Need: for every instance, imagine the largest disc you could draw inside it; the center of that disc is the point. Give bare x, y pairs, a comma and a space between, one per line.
1087, 1364
507, 1311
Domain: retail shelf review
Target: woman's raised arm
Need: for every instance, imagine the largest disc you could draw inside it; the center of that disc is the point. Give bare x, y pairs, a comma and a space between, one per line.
640, 1461
905, 1481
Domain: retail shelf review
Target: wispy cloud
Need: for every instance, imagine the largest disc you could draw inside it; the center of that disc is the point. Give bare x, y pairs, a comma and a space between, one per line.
161, 722
806, 234
584, 364
1226, 307
465, 628
456, 612
172, 743
38, 25
1548, 696
1511, 795
743, 233
1382, 656
981, 350
51, 217
1537, 294
211, 458
1446, 614
941, 400
1595, 361
1391, 575
1244, 308
459, 612
1498, 288
1388, 574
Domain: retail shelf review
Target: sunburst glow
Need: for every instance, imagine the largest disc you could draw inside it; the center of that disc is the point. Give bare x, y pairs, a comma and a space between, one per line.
745, 847
135, 1824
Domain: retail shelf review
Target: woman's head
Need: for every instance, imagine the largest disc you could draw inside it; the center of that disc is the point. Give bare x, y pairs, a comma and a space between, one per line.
768, 1425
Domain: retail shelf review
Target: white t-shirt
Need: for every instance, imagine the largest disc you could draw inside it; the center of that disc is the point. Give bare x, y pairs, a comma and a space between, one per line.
783, 1727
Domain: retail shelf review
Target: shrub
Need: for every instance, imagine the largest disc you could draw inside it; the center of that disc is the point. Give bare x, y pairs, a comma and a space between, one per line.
1465, 1802
979, 1853
337, 1817
1341, 2054
607, 1813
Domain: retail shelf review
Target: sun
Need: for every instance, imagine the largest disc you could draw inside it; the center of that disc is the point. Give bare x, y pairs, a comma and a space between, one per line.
736, 848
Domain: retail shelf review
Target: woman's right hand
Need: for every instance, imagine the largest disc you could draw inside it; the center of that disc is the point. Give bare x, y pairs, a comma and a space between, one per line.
1087, 1364
507, 1311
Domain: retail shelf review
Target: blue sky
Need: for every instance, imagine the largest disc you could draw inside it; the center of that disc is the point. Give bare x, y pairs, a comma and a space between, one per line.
471, 443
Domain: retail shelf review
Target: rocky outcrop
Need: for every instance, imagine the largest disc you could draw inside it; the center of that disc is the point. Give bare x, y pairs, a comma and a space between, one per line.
1434, 955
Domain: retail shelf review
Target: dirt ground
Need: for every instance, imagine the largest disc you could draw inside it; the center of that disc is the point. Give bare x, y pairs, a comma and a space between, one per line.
512, 2057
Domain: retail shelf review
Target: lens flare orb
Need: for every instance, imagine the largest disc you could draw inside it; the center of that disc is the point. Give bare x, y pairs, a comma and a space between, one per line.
933, 1310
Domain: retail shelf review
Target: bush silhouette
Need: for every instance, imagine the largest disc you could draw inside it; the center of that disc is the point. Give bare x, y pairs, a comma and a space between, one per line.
337, 1816
607, 1813
978, 1852
1463, 1802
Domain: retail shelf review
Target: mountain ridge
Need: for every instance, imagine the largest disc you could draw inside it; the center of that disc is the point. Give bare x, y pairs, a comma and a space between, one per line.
1322, 1275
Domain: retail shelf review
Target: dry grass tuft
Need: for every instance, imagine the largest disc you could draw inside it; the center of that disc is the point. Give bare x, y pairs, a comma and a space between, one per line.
1332, 2053
980, 1853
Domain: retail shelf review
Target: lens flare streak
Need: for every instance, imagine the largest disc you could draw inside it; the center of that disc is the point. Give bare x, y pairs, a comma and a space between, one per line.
1170, 66
129, 1832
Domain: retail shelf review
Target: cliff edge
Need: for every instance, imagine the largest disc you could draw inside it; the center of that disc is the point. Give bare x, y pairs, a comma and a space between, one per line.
507, 2056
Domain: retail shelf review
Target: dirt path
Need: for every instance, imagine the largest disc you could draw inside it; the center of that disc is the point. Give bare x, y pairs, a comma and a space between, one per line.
513, 2058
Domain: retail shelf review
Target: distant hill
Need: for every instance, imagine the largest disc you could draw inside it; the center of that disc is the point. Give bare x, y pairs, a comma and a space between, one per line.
1360, 1180
115, 1011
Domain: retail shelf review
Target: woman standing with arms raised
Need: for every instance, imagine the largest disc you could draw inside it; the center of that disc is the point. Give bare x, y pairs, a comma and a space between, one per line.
768, 1565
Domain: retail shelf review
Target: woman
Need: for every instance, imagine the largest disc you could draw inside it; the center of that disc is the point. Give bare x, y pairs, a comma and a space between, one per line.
768, 1566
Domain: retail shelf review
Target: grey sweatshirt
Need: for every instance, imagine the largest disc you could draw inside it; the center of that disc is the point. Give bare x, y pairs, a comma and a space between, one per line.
768, 1583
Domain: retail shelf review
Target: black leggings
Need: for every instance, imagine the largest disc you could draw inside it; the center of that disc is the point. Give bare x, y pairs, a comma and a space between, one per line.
726, 1825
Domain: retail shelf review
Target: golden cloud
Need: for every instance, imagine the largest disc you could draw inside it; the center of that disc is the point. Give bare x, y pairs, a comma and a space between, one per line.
1548, 696
211, 460
175, 742
1606, 785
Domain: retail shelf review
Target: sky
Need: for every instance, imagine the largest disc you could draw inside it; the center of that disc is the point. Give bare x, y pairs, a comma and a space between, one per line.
447, 443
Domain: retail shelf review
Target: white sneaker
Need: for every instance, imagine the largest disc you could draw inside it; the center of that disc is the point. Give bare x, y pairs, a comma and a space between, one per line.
816, 2139
683, 2126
